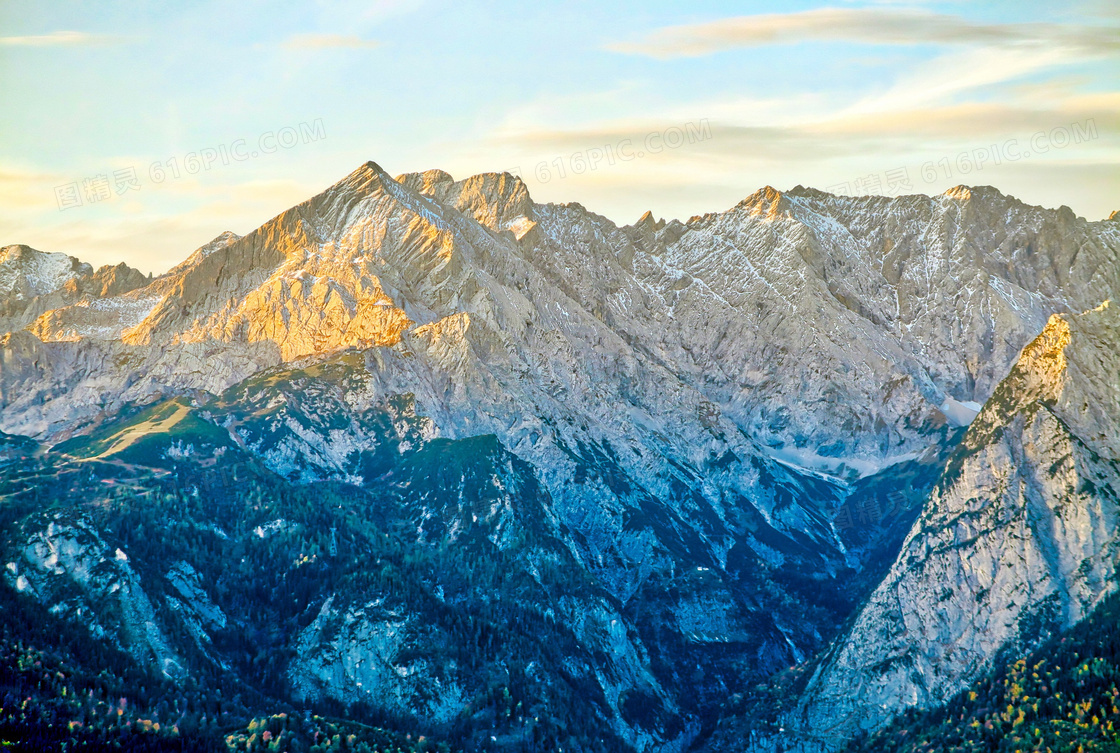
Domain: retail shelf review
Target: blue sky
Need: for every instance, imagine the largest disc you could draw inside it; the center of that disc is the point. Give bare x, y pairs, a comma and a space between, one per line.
853, 97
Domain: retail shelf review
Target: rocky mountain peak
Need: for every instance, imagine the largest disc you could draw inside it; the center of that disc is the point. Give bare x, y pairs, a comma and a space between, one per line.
221, 240
366, 172
27, 273
16, 251
960, 192
495, 199
498, 201
647, 222
988, 197
427, 182
109, 280
799, 191
767, 202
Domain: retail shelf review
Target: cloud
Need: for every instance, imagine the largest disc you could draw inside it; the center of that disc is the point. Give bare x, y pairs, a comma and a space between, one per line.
946, 77
60, 39
329, 41
832, 147
28, 189
852, 132
980, 122
869, 25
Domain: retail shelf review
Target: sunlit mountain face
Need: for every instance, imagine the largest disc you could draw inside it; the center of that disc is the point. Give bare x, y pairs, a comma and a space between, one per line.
425, 464
746, 378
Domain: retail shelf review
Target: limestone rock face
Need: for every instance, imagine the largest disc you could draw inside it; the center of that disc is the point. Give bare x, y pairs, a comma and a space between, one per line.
877, 318
26, 273
694, 399
68, 566
33, 282
1020, 538
838, 333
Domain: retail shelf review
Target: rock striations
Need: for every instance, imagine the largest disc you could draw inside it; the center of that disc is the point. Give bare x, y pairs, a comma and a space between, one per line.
1020, 539
911, 309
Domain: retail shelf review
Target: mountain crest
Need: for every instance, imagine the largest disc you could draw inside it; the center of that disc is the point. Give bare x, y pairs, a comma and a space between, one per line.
648, 222
767, 202
982, 193
498, 201
26, 272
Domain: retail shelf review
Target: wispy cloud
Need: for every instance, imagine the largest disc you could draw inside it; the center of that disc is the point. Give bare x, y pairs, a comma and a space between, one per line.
61, 39
951, 75
869, 25
329, 41
852, 135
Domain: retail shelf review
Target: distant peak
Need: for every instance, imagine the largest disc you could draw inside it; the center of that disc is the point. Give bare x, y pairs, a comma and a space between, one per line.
367, 174
808, 192
428, 182
220, 241
495, 199
226, 236
371, 167
646, 228
965, 193
800, 190
766, 194
504, 187
501, 182
961, 192
767, 201
648, 222
26, 272
1115, 216
16, 250
367, 180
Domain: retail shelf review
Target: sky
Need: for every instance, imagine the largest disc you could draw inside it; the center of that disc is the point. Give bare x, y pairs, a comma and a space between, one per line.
138, 131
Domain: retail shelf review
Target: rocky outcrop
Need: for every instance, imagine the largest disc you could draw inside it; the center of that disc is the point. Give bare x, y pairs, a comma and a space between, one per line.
26, 273
1020, 539
68, 567
33, 283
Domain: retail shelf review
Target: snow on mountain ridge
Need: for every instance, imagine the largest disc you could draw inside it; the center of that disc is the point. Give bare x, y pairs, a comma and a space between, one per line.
893, 275
26, 273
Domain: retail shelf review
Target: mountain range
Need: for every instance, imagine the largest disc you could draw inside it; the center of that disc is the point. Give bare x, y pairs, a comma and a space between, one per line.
429, 455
